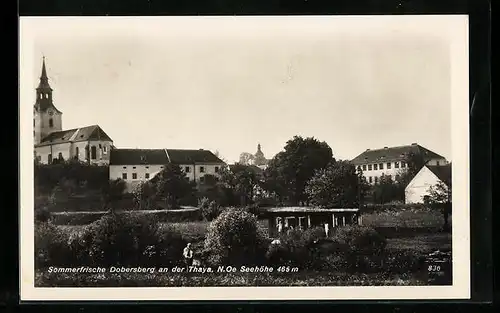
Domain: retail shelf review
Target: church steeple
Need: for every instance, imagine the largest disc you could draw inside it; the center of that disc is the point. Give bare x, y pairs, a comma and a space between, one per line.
44, 79
44, 91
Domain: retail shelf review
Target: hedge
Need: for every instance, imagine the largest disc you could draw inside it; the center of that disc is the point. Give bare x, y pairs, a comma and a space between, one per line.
162, 216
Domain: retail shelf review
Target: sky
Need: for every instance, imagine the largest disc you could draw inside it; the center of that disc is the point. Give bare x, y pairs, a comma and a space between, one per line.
227, 84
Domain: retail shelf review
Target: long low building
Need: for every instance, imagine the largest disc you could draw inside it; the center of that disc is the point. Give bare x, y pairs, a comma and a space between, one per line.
138, 165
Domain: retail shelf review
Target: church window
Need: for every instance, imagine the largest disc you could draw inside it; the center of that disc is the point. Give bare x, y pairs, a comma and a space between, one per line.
134, 175
104, 149
124, 175
93, 153
51, 122
60, 156
49, 158
77, 153
34, 123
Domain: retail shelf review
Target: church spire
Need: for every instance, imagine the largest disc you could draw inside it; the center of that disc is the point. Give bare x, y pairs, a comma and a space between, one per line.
44, 79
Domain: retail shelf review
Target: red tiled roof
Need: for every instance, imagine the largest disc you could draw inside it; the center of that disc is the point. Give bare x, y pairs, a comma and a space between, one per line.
93, 132
443, 172
138, 156
394, 154
185, 156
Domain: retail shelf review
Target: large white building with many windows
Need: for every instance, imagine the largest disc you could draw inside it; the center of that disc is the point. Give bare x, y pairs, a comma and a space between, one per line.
391, 161
139, 165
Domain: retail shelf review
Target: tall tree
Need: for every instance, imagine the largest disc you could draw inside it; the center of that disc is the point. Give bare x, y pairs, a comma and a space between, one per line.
338, 185
290, 170
113, 192
144, 194
440, 197
173, 185
414, 163
246, 158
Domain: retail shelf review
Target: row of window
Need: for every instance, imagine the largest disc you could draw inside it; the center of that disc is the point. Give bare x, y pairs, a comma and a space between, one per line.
376, 178
146, 176
93, 153
380, 166
187, 169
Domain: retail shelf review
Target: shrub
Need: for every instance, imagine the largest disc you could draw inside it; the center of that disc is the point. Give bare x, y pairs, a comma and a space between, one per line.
363, 246
296, 248
42, 215
51, 246
121, 239
234, 238
209, 209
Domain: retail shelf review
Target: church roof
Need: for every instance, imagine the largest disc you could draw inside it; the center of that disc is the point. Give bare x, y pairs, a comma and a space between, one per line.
190, 156
138, 156
93, 132
443, 172
394, 154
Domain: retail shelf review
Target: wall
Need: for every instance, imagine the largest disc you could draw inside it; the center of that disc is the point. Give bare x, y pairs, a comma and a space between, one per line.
44, 151
419, 186
116, 171
196, 174
44, 127
393, 171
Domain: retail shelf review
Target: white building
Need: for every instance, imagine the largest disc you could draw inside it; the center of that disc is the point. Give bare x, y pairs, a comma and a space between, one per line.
428, 176
391, 160
89, 144
138, 165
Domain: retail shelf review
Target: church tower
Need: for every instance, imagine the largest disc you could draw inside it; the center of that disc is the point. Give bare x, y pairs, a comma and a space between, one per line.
46, 117
259, 158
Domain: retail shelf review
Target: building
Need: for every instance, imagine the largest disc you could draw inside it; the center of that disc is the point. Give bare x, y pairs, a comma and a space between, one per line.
258, 159
391, 160
430, 175
88, 144
138, 165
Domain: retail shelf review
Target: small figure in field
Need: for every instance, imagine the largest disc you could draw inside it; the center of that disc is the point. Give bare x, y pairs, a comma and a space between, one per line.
188, 255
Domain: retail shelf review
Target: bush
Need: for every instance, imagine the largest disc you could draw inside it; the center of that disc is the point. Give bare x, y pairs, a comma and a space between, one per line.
209, 209
121, 239
51, 246
42, 215
296, 248
363, 246
234, 238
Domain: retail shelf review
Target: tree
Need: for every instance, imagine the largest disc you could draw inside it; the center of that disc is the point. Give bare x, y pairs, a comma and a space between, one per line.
386, 190
414, 163
113, 192
440, 197
173, 185
290, 170
241, 180
338, 185
246, 158
144, 195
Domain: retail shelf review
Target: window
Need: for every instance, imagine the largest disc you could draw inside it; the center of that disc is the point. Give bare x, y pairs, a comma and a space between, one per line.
146, 175
202, 169
51, 122
364, 167
147, 166
77, 153
104, 149
375, 167
133, 167
134, 175
389, 165
34, 123
93, 153
187, 169
49, 158
370, 179
437, 163
376, 179
124, 175
396, 164
381, 166
59, 156
217, 169
403, 164
369, 167
124, 167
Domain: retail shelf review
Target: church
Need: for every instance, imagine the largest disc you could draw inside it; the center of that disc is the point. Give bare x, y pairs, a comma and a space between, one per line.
89, 144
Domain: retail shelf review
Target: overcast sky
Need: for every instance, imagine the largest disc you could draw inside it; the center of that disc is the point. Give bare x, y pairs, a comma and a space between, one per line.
228, 84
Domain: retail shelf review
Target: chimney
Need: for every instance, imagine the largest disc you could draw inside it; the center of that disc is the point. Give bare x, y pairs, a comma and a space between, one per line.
414, 144
367, 149
386, 147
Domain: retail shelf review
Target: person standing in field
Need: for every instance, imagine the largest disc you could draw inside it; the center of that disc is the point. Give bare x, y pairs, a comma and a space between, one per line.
188, 255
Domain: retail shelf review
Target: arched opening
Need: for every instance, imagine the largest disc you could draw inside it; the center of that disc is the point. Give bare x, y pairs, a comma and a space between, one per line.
51, 123
93, 153
60, 156
77, 153
87, 152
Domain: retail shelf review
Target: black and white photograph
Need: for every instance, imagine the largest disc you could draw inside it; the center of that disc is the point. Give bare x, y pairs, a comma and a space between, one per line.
174, 158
